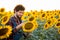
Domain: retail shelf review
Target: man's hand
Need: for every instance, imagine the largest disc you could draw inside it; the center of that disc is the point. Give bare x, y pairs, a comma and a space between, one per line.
19, 26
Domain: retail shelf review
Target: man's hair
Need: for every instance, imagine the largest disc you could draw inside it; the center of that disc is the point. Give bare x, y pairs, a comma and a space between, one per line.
19, 7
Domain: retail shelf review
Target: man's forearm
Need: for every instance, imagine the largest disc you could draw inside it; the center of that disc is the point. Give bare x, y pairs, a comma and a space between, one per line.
18, 27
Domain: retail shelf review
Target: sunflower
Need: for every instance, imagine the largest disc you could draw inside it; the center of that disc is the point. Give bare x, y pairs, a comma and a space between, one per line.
5, 19
48, 16
5, 31
30, 26
10, 13
34, 13
51, 16
47, 11
56, 13
1, 14
27, 14
59, 15
31, 12
41, 11
59, 31
32, 18
2, 10
54, 20
58, 20
46, 26
51, 21
42, 16
57, 25
24, 18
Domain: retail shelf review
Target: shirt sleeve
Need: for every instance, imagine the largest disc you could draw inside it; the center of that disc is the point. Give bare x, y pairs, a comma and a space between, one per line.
14, 30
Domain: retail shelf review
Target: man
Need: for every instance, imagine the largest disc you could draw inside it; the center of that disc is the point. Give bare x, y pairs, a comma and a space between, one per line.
16, 23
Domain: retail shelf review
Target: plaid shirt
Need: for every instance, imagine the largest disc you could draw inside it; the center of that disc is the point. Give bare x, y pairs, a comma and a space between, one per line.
16, 34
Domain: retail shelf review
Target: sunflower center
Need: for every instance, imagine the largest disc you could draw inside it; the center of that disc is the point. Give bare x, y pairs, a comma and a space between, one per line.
46, 26
4, 19
28, 26
41, 12
59, 30
58, 24
47, 11
43, 15
31, 19
51, 16
3, 31
33, 12
55, 13
49, 22
2, 10
58, 19
59, 11
48, 14
28, 14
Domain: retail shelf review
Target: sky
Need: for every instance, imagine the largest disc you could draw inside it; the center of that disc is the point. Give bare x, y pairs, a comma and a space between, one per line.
31, 4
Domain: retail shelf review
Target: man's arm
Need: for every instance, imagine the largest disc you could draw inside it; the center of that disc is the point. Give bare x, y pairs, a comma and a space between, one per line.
15, 29
19, 26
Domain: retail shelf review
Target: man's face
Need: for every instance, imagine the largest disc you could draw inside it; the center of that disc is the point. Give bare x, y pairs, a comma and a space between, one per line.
20, 13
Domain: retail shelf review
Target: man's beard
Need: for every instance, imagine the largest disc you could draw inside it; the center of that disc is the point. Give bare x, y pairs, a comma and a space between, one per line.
18, 16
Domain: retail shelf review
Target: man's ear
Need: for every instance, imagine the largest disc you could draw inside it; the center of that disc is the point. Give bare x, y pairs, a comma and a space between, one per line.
15, 12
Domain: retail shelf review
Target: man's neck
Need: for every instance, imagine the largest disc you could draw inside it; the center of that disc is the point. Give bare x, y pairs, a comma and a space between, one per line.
18, 18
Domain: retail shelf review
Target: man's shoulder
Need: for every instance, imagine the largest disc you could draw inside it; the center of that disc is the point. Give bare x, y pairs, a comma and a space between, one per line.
11, 17
10, 20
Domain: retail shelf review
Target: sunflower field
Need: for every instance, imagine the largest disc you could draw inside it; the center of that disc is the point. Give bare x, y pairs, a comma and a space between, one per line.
5, 30
39, 25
